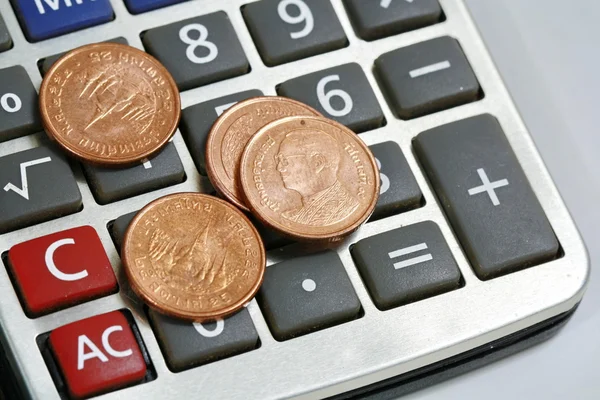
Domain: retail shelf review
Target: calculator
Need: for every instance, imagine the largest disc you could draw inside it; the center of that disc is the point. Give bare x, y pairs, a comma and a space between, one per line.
469, 256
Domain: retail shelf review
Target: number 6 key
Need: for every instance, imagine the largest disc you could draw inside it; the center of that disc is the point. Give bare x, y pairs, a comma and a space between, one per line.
198, 51
342, 93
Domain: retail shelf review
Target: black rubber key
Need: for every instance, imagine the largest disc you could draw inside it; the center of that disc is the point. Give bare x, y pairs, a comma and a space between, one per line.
289, 30
186, 345
306, 294
198, 51
119, 227
47, 62
197, 120
342, 93
5, 40
378, 19
19, 115
399, 190
486, 196
406, 265
111, 184
37, 185
427, 77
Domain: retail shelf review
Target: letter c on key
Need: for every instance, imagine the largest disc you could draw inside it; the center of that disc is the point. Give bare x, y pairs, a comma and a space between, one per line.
49, 258
106, 344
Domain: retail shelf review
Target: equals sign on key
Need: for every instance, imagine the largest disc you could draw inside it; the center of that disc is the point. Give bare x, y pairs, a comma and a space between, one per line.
407, 251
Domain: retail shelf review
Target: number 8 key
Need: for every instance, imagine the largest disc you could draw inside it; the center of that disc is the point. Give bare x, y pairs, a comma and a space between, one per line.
199, 50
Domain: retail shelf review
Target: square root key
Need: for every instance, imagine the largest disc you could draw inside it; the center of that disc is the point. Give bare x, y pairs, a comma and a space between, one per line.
427, 77
36, 185
486, 195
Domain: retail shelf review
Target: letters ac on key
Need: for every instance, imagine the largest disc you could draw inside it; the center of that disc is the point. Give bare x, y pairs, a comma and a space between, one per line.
98, 354
61, 269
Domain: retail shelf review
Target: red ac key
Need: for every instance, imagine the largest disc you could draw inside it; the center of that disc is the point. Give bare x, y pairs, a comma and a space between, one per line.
61, 269
98, 354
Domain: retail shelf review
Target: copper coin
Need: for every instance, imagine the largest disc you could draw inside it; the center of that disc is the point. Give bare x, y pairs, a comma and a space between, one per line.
109, 104
310, 178
193, 256
230, 133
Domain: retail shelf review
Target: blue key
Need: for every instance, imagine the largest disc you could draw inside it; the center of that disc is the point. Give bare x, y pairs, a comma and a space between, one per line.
45, 19
140, 6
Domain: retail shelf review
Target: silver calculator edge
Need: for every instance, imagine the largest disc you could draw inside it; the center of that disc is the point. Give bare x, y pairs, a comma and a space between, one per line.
380, 344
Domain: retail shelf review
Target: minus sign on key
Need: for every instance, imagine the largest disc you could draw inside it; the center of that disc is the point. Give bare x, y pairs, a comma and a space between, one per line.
429, 69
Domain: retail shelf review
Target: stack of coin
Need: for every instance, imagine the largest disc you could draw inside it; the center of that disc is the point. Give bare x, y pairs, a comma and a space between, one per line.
187, 255
303, 175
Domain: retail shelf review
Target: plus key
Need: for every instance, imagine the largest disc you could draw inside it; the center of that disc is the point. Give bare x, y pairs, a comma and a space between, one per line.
489, 202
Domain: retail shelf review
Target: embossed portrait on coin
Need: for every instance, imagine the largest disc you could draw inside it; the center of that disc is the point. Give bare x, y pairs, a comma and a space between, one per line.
308, 163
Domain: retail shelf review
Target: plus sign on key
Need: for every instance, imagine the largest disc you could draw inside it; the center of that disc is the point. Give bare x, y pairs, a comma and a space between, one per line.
45, 19
482, 187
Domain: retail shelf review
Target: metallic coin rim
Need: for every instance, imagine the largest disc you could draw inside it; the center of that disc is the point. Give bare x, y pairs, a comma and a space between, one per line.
190, 316
302, 236
96, 160
217, 132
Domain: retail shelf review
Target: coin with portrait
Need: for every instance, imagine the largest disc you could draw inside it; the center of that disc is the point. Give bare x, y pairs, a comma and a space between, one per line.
193, 256
109, 104
310, 178
233, 129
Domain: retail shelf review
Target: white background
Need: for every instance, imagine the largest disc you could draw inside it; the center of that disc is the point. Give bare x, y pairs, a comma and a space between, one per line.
548, 52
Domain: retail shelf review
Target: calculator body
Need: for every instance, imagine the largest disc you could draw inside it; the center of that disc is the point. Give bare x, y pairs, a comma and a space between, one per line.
401, 343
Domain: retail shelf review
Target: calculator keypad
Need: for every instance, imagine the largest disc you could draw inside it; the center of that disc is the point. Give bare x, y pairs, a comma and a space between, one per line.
186, 345
19, 113
341, 93
29, 192
5, 40
289, 30
390, 17
110, 184
427, 77
300, 295
47, 19
199, 50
